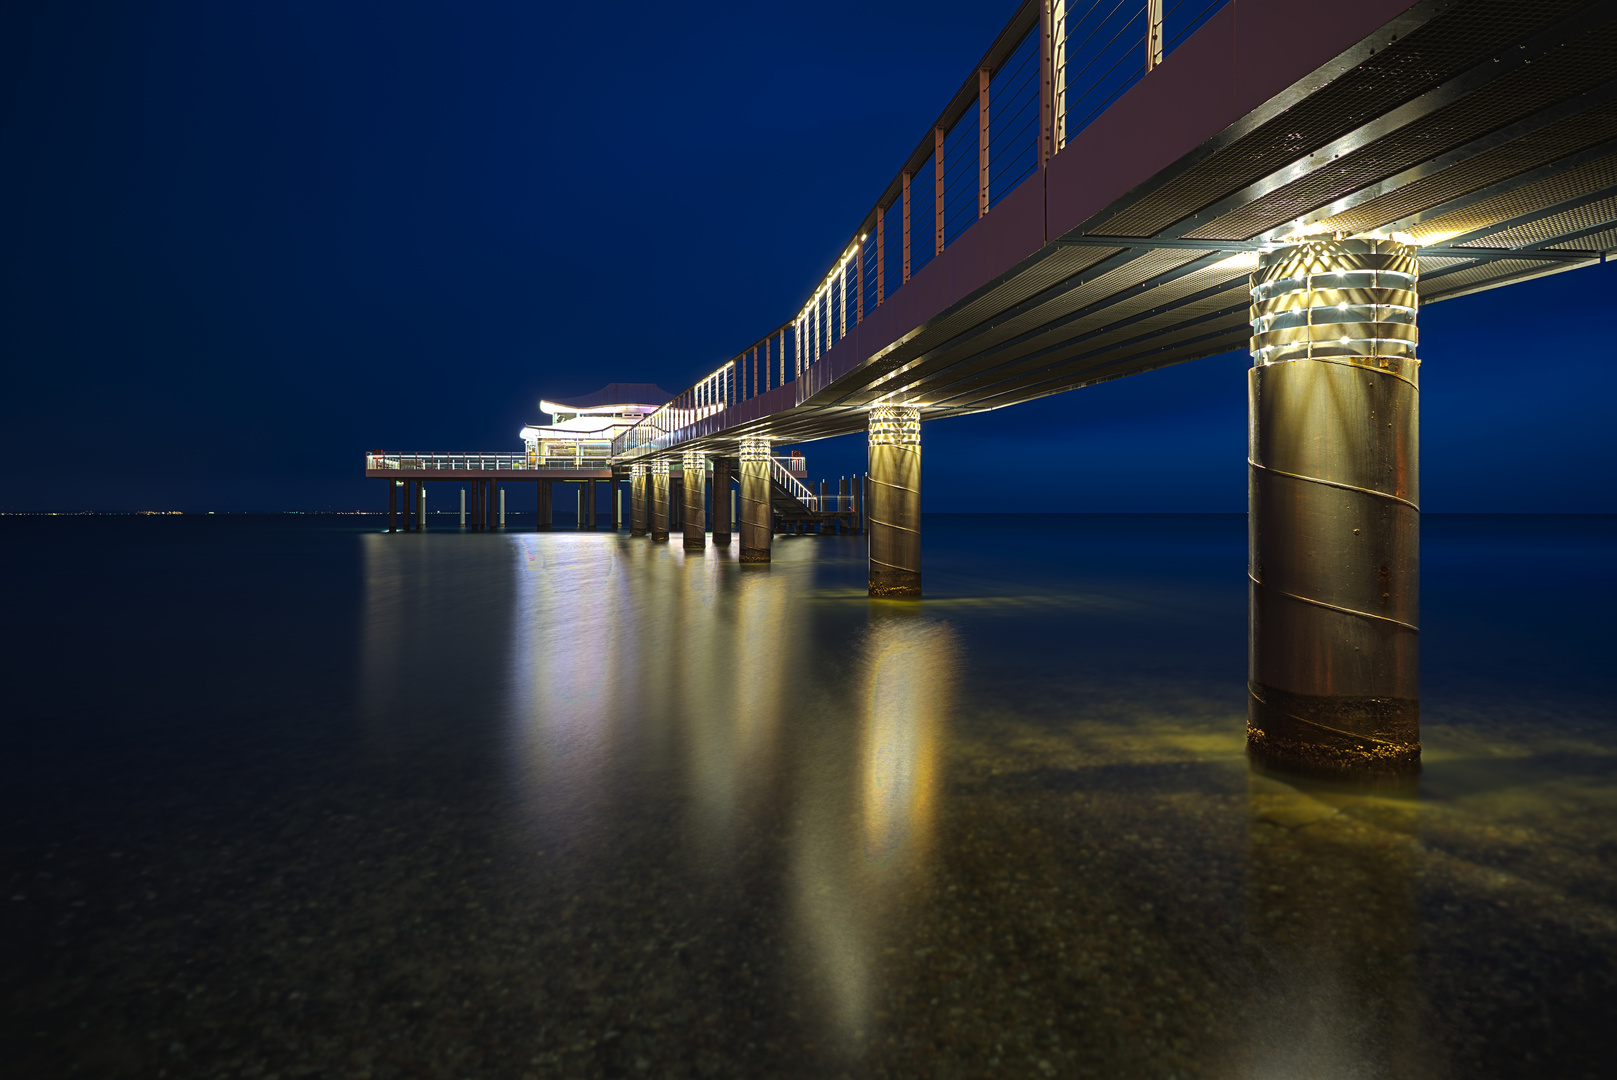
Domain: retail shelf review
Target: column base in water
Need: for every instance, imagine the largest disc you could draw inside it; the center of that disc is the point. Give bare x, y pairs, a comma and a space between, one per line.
895, 502
757, 512
1332, 734
1334, 516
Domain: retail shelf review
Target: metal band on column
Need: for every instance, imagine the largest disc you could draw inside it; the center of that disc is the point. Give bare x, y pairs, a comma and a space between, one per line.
694, 482
637, 500
1334, 521
895, 502
659, 500
757, 527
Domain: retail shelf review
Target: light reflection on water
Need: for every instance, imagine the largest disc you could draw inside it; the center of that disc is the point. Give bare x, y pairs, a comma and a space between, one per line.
597, 802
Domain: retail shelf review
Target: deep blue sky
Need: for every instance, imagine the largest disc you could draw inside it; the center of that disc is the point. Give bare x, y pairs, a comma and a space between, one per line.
242, 243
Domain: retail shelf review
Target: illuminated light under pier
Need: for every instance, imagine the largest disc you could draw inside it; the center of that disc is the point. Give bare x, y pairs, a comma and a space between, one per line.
721, 502
1334, 515
757, 525
637, 500
659, 500
693, 481
895, 502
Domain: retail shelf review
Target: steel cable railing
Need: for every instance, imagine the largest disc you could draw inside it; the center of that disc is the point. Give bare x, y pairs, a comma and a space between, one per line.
474, 462
1095, 57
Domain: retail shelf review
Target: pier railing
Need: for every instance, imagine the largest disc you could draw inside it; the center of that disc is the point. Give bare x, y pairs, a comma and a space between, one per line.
800, 491
518, 462
1054, 68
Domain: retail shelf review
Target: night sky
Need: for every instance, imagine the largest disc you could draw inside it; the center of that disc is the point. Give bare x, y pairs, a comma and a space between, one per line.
243, 243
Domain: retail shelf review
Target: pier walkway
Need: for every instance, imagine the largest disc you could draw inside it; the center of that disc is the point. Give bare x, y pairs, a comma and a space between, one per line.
1116, 188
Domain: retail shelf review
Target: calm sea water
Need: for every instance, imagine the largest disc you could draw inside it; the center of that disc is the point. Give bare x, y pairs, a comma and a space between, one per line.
288, 797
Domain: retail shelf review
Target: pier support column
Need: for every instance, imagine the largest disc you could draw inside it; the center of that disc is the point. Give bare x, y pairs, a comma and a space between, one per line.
895, 502
694, 482
1334, 516
409, 506
757, 530
615, 497
590, 503
421, 505
392, 505
659, 500
637, 500
721, 502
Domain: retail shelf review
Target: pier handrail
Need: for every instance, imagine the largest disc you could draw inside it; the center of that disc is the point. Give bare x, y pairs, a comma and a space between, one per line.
799, 490
984, 144
471, 460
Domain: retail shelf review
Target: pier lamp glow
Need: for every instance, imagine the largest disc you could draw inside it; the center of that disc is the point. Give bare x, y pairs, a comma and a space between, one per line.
1333, 447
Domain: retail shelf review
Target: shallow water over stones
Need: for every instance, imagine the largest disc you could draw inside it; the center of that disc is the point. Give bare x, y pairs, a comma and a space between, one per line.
288, 797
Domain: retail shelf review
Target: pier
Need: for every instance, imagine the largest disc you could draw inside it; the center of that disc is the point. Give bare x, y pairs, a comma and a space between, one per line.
1294, 178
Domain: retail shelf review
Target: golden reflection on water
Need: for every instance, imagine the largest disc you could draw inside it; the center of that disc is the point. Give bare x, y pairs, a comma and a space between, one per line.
730, 657
568, 641
865, 832
1332, 909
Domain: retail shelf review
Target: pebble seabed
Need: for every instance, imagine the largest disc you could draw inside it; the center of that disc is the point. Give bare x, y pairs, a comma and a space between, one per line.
1098, 884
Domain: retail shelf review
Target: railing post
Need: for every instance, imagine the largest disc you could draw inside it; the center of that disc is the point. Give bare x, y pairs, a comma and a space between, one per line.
982, 142
906, 216
842, 312
1153, 34
881, 254
859, 281
1048, 21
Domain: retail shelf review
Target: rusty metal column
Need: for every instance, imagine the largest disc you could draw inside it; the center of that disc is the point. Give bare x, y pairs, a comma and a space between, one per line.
756, 527
895, 502
695, 485
637, 500
1334, 515
659, 500
721, 502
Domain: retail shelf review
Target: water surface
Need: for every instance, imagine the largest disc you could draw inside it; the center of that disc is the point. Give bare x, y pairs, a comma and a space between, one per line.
291, 797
